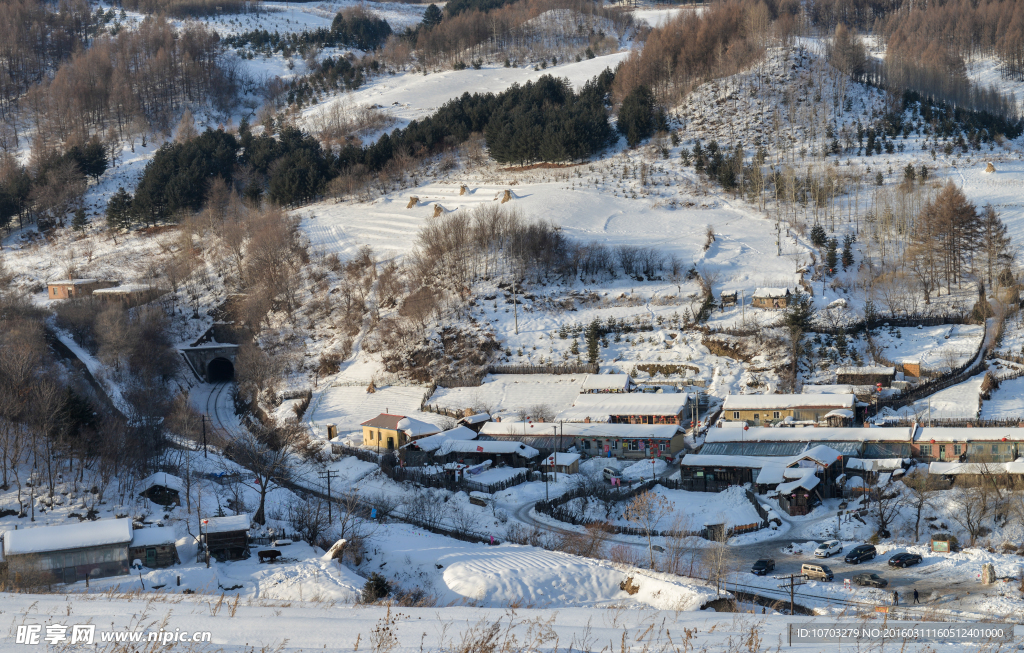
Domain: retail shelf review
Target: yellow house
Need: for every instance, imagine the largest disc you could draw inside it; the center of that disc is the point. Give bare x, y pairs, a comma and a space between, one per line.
757, 410
389, 432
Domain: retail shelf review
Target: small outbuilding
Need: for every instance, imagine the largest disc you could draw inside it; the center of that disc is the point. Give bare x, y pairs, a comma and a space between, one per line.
163, 489
866, 375
607, 383
154, 547
771, 298
227, 538
67, 553
562, 463
72, 288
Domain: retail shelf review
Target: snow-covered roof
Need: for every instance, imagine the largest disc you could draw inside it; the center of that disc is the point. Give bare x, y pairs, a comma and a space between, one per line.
72, 282
838, 389
67, 536
601, 407
607, 382
955, 469
808, 482
811, 434
412, 427
954, 434
153, 536
875, 464
561, 459
774, 402
434, 442
771, 293
821, 454
476, 419
840, 412
865, 369
583, 430
125, 289
163, 479
486, 446
227, 524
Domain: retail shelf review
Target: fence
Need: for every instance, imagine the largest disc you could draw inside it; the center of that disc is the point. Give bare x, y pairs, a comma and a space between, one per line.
454, 413
577, 368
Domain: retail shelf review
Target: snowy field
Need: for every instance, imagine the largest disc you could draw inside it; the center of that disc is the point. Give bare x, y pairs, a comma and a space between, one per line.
1007, 402
347, 406
505, 394
935, 347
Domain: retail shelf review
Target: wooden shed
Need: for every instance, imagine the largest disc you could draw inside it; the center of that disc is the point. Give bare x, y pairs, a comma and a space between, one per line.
162, 489
154, 547
227, 538
67, 553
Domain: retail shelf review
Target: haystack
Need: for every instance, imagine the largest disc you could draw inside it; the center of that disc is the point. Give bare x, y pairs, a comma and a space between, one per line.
990, 167
413, 201
507, 196
438, 210
463, 190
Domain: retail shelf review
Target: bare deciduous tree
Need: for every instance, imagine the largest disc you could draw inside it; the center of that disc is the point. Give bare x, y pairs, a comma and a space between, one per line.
646, 511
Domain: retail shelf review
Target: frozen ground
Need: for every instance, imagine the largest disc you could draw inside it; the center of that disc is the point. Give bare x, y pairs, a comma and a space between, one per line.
1007, 401
505, 394
347, 406
935, 347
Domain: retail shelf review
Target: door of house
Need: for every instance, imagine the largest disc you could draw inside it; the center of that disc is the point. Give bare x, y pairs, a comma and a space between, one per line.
942, 453
391, 444
151, 557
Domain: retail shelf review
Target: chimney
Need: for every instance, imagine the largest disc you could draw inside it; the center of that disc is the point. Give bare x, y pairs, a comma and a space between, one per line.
586, 420
497, 419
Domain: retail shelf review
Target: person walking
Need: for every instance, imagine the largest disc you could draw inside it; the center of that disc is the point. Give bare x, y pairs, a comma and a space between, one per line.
915, 596
895, 597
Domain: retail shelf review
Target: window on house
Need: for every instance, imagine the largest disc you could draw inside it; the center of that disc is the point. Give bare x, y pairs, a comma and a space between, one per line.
956, 449
775, 415
926, 450
995, 448
736, 414
756, 417
615, 444
586, 444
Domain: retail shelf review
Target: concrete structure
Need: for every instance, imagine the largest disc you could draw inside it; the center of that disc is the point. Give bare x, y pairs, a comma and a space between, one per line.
72, 288
214, 362
629, 441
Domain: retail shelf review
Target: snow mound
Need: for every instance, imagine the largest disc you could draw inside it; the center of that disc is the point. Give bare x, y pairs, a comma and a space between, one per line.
531, 576
644, 470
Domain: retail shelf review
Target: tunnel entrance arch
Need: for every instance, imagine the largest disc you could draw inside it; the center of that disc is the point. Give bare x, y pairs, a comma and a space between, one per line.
219, 370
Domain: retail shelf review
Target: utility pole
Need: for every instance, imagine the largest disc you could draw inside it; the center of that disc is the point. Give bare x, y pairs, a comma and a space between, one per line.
554, 456
792, 584
328, 474
203, 417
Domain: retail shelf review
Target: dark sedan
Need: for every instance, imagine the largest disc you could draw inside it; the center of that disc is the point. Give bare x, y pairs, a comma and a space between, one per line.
904, 560
870, 580
860, 553
762, 567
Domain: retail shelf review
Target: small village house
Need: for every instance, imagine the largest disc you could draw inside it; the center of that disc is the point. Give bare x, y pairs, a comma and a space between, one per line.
226, 538
474, 452
871, 375
388, 432
162, 489
561, 463
74, 288
154, 547
420, 452
733, 439
771, 298
67, 553
632, 408
729, 298
131, 294
800, 482
973, 445
592, 439
607, 383
757, 410
474, 421
1007, 474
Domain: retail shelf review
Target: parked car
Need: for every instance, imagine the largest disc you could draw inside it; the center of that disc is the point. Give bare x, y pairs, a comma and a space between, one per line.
814, 571
904, 560
860, 553
610, 473
870, 580
762, 567
828, 549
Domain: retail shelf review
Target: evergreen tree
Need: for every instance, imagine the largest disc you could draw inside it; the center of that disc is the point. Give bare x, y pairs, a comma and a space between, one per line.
832, 256
79, 222
848, 241
119, 210
432, 16
879, 179
593, 341
636, 116
818, 236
